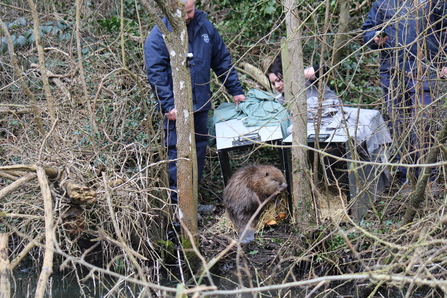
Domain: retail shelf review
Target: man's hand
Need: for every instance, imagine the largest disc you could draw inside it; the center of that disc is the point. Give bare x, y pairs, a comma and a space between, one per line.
309, 73
379, 39
443, 73
172, 114
238, 99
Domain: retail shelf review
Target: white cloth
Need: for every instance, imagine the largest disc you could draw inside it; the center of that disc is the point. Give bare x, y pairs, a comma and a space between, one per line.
358, 124
329, 107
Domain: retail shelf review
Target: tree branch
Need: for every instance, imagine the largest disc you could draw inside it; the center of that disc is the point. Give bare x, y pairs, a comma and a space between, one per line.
47, 268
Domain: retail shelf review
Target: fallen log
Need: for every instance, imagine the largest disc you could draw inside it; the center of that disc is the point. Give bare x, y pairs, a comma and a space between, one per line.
79, 194
52, 173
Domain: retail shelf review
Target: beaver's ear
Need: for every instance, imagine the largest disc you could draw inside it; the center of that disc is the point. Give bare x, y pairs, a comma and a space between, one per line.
266, 174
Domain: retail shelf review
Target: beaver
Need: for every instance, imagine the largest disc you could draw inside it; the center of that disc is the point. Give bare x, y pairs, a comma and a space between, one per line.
247, 188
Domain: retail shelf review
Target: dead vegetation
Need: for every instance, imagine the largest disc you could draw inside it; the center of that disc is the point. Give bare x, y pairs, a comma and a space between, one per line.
98, 211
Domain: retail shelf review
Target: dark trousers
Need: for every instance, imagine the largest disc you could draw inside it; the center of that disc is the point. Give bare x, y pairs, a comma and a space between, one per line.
406, 99
201, 136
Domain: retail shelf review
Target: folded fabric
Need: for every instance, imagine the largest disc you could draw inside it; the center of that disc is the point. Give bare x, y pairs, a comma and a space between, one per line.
259, 109
262, 109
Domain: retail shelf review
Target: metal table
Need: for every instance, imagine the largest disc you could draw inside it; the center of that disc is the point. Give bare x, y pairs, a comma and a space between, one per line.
365, 131
232, 135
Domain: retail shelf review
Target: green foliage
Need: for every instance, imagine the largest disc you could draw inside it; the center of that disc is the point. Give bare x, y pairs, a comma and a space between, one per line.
355, 80
59, 29
335, 242
277, 240
3, 227
130, 9
258, 18
263, 27
113, 25
119, 266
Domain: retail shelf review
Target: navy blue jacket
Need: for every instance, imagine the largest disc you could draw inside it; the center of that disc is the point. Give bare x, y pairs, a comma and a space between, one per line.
209, 53
408, 28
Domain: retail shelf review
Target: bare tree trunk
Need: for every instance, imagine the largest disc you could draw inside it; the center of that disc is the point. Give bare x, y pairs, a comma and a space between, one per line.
296, 98
187, 173
341, 36
5, 267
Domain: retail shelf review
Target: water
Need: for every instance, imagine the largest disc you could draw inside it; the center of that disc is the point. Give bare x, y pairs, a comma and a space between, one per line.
23, 285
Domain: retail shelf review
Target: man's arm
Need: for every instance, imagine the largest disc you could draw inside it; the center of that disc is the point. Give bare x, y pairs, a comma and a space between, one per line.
221, 64
158, 70
370, 36
312, 73
438, 18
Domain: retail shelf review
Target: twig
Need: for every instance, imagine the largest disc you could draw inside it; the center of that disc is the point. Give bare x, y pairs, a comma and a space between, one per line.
252, 218
86, 100
118, 231
41, 56
417, 196
26, 250
16, 184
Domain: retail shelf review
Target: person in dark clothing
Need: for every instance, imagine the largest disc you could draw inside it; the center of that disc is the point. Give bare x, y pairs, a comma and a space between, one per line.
411, 38
209, 52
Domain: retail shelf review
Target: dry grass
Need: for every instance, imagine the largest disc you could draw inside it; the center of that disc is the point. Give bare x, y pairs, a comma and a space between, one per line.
109, 139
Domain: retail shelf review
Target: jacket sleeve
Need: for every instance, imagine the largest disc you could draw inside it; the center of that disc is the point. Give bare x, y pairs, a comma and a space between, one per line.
438, 18
158, 69
369, 28
221, 64
317, 69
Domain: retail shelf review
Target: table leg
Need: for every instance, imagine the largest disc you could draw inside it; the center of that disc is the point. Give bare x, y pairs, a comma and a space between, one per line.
362, 184
286, 161
224, 162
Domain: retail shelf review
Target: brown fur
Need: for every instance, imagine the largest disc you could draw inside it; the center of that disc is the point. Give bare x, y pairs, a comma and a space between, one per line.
246, 190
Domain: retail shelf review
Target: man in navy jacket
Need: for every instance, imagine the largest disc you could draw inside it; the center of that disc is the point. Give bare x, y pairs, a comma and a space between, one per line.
209, 52
411, 38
